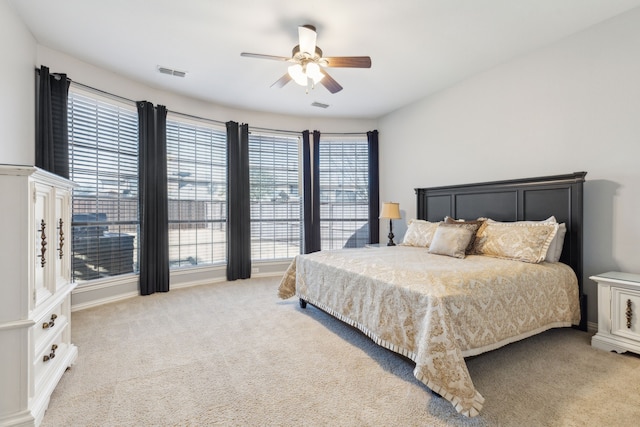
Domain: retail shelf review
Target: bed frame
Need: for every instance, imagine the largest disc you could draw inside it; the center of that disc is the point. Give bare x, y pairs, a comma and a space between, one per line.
531, 199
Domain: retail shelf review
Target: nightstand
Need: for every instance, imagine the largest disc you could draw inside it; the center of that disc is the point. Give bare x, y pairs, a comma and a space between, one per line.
618, 312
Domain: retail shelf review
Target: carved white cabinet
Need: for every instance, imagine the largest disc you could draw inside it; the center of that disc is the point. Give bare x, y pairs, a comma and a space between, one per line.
618, 312
35, 294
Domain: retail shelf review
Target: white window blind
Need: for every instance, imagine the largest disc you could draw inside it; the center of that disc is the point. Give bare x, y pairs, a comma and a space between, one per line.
344, 191
197, 186
103, 162
276, 206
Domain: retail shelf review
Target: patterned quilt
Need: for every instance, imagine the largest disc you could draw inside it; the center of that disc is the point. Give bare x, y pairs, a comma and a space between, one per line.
436, 310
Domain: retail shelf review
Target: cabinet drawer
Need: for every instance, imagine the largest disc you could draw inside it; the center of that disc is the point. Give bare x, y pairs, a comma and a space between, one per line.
47, 359
48, 324
625, 313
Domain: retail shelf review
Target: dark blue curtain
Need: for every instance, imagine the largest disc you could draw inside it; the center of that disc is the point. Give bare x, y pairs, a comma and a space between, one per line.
52, 137
315, 186
374, 187
238, 202
154, 217
307, 216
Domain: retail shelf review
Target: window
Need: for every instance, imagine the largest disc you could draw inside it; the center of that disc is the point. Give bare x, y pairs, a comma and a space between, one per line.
103, 162
344, 192
276, 208
197, 185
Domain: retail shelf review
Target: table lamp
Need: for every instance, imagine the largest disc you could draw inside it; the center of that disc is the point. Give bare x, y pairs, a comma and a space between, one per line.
390, 211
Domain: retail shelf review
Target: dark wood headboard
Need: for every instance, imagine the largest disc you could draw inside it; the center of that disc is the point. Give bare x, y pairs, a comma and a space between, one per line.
528, 199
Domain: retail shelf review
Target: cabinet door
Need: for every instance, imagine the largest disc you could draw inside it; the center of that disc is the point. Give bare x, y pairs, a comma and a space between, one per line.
61, 238
43, 249
625, 313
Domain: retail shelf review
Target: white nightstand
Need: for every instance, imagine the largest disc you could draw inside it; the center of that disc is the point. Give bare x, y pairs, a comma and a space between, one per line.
376, 245
618, 312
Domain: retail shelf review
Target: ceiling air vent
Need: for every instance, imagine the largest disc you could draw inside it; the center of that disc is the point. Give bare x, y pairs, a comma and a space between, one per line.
171, 72
319, 104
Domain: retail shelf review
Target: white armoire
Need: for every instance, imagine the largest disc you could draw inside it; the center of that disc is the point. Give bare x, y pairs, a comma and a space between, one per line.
35, 291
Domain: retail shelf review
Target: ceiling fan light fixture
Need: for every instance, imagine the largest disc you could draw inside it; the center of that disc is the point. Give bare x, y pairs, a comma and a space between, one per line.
313, 72
308, 61
297, 74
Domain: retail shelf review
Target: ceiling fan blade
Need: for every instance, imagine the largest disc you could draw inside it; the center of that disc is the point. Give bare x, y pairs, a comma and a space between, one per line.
349, 61
307, 36
328, 82
282, 81
260, 56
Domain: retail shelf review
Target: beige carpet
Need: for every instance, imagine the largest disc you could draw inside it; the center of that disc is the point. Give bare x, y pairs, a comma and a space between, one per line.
234, 354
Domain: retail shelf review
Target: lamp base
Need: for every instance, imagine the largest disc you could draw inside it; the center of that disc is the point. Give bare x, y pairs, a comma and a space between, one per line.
390, 242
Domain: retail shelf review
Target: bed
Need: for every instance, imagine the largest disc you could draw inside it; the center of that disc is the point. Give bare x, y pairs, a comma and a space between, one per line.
435, 307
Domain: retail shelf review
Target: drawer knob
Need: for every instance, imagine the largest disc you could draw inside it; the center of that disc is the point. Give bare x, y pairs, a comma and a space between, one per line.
629, 314
51, 355
51, 323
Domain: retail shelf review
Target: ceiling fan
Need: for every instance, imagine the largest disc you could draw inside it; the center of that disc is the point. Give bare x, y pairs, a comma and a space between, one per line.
309, 65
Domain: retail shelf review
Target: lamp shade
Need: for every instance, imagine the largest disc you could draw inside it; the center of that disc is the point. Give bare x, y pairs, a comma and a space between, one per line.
390, 210
297, 74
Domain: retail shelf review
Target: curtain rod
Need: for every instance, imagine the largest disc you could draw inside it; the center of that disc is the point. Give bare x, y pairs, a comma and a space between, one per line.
191, 116
103, 92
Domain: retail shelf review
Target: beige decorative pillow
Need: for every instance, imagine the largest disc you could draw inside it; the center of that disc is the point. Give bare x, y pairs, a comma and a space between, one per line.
451, 240
520, 241
555, 247
471, 225
419, 233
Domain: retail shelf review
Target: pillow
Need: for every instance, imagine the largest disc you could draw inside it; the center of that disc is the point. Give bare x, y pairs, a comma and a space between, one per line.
555, 247
419, 233
471, 225
520, 241
451, 240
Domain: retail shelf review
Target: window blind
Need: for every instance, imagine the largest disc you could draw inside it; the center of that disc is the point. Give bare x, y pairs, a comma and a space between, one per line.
344, 192
276, 207
197, 186
103, 162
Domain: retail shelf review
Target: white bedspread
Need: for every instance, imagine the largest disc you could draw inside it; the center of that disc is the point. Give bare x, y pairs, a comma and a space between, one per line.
435, 309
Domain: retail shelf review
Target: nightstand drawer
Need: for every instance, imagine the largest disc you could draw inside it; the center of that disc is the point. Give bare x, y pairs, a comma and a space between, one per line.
625, 313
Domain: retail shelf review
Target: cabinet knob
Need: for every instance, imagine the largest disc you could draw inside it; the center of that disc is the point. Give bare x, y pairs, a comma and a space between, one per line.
629, 313
43, 243
60, 238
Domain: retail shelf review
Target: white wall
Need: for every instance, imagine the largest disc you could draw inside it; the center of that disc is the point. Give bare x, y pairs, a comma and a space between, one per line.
573, 106
17, 82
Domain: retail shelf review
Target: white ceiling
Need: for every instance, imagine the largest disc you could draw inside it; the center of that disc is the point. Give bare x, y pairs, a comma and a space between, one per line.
417, 47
